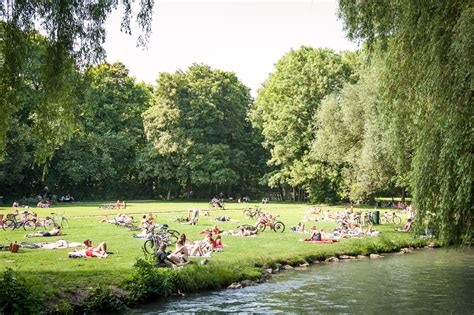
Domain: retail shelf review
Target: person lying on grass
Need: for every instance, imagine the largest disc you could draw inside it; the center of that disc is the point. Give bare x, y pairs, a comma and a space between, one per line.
60, 244
298, 228
56, 231
213, 230
224, 218
246, 233
99, 251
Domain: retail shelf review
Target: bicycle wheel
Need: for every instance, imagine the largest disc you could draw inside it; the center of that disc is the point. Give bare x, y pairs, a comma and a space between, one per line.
261, 227
29, 225
7, 224
47, 223
248, 213
149, 247
397, 220
279, 227
173, 236
383, 220
64, 223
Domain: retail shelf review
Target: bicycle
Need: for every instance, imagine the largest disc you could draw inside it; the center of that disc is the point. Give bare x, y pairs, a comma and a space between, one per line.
276, 226
251, 214
53, 221
158, 236
216, 203
388, 218
12, 223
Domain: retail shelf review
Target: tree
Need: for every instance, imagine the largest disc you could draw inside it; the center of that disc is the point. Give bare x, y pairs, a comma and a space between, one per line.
351, 136
101, 158
74, 33
286, 107
198, 125
428, 87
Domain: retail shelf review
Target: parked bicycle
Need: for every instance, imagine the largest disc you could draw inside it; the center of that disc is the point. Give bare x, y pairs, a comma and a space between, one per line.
390, 218
276, 226
216, 203
12, 223
158, 236
252, 213
55, 220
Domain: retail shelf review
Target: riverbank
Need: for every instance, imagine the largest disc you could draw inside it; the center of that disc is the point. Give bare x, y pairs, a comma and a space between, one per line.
89, 284
425, 281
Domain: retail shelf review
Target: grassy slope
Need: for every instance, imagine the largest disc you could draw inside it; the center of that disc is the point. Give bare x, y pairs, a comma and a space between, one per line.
53, 267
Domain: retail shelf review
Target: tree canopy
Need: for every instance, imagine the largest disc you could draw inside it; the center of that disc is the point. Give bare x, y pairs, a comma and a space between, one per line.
198, 129
427, 88
287, 104
74, 32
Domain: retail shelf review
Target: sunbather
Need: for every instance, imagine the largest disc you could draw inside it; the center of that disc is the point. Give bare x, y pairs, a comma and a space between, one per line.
98, 251
406, 228
314, 235
56, 231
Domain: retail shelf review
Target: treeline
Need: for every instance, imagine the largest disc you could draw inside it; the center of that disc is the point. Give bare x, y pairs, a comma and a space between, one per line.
186, 137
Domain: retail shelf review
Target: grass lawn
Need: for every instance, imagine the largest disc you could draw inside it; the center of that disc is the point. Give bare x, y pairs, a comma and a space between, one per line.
53, 270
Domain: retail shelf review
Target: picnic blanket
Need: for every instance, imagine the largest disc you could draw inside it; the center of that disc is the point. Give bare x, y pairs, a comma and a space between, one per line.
323, 241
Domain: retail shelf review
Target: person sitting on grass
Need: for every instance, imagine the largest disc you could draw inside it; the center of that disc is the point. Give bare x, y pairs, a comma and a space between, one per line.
217, 244
407, 227
202, 248
163, 259
314, 235
56, 231
299, 228
181, 253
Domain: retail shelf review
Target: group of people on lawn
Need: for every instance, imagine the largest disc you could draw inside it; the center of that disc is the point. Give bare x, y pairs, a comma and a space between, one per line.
186, 248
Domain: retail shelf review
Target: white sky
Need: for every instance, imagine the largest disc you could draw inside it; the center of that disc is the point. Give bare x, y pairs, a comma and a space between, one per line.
243, 36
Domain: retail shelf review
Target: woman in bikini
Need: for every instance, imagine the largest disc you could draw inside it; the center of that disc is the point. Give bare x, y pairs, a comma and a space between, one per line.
98, 251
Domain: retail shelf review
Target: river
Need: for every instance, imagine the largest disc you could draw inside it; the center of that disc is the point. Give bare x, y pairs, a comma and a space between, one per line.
426, 281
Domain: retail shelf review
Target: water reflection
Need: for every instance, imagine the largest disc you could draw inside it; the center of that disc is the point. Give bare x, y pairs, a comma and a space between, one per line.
434, 281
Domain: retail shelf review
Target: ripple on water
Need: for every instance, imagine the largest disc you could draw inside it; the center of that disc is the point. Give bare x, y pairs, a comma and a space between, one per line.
423, 282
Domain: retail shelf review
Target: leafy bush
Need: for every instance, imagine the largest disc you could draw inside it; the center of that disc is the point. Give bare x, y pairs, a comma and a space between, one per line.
147, 282
16, 296
102, 299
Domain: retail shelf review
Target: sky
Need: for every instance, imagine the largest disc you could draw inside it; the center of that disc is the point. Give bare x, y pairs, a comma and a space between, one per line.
246, 37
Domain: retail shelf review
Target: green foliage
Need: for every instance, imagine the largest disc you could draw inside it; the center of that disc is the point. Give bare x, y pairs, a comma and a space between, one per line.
286, 107
427, 86
197, 130
16, 296
351, 136
102, 157
102, 299
147, 282
74, 33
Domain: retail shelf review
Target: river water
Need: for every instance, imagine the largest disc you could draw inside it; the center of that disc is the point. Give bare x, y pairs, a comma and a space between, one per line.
426, 281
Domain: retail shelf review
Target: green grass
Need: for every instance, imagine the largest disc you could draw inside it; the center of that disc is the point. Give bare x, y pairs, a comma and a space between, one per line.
54, 271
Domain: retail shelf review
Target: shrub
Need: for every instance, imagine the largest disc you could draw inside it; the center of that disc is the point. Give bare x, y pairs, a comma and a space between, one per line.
16, 296
147, 282
102, 299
